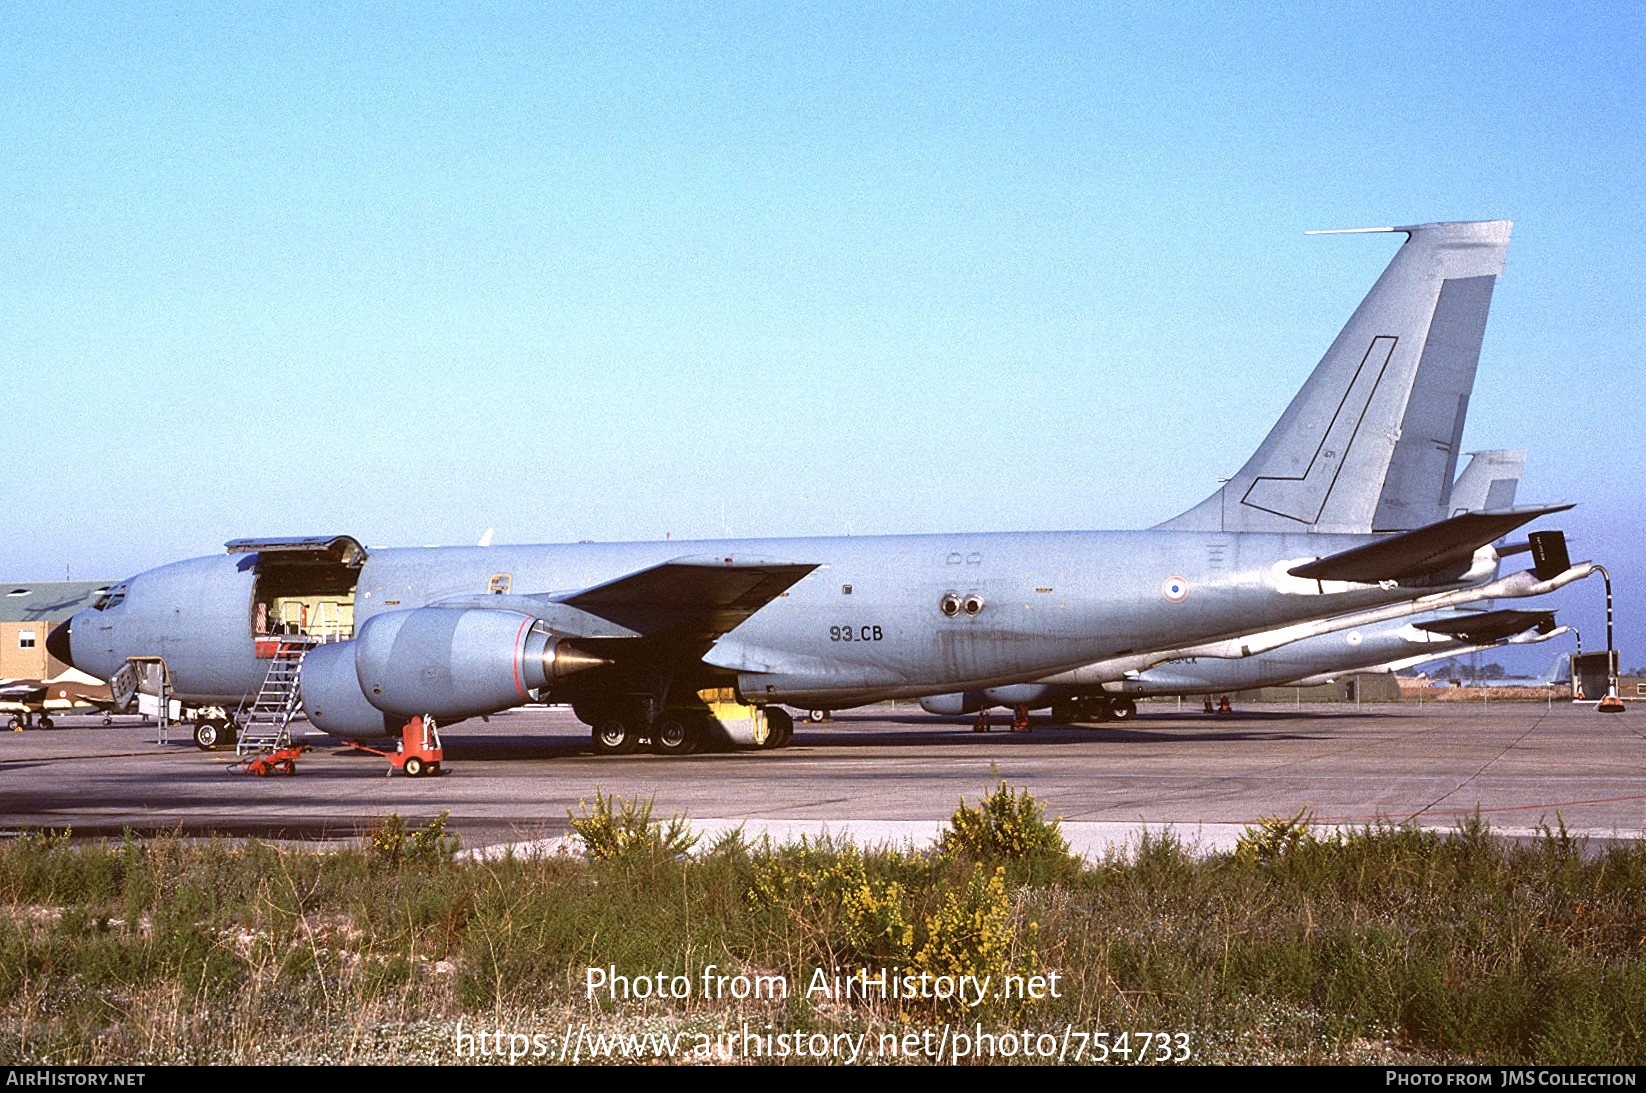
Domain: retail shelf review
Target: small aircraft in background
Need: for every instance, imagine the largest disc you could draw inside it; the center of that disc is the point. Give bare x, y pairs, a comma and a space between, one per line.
31, 702
1557, 673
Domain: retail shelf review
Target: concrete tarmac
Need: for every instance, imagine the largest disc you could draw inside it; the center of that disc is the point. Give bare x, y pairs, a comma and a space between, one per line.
881, 774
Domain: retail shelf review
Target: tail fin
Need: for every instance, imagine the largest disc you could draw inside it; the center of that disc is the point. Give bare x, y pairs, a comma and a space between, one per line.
1560, 671
1487, 484
1371, 440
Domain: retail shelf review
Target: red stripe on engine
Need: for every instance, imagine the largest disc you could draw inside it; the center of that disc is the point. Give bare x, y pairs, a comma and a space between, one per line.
519, 648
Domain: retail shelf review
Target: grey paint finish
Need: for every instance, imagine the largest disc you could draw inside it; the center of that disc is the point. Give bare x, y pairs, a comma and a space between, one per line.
1431, 432
1276, 489
1104, 596
1354, 649
842, 621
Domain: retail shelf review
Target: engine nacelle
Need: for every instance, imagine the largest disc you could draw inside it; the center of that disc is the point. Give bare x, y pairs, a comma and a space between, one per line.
958, 703
332, 698
1033, 695
446, 663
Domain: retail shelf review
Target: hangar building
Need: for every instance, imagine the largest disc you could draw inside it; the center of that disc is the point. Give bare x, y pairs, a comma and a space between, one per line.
28, 611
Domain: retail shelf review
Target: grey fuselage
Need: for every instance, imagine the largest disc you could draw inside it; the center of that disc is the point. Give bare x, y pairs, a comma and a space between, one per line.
1348, 650
866, 624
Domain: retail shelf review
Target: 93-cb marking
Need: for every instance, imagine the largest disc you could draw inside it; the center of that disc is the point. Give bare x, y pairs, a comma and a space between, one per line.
858, 633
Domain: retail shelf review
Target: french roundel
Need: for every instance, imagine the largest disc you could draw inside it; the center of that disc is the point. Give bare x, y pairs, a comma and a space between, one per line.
1174, 589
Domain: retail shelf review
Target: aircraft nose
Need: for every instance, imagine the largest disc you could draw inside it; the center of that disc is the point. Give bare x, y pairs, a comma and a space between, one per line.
57, 642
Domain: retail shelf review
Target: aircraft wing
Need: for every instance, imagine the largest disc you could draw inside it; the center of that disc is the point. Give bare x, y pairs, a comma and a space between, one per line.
705, 596
695, 597
22, 690
1485, 627
1435, 548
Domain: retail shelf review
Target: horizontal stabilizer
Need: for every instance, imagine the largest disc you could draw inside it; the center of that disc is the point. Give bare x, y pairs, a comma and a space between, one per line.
1484, 627
702, 595
1447, 545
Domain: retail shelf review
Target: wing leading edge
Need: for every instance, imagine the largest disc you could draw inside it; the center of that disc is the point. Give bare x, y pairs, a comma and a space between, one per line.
703, 596
693, 597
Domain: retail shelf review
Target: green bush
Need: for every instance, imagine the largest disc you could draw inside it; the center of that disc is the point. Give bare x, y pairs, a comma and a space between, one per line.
617, 829
393, 845
1009, 828
848, 907
1274, 838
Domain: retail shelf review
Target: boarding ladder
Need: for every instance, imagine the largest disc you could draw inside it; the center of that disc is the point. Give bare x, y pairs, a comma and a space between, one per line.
144, 675
266, 725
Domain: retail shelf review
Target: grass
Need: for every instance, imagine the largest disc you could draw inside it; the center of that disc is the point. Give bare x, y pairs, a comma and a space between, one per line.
1390, 945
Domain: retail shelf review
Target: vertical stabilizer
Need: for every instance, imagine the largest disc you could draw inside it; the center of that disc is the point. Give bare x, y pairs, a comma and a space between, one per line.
1488, 483
1559, 672
1371, 440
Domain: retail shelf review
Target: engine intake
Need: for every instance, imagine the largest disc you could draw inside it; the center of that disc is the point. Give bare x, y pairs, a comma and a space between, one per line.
447, 663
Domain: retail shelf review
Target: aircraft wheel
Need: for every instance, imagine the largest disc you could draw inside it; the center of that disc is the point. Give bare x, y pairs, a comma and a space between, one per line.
413, 767
817, 717
779, 728
107, 720
614, 736
207, 734
1122, 709
434, 768
46, 722
674, 736
1098, 710
17, 722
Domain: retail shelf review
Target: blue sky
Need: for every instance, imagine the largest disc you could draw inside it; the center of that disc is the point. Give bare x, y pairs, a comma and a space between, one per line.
619, 271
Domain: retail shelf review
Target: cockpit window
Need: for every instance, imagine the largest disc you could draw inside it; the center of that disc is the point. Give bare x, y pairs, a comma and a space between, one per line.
110, 598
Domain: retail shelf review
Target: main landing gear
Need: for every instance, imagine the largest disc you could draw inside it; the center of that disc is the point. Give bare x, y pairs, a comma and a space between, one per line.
1093, 708
680, 731
779, 728
623, 732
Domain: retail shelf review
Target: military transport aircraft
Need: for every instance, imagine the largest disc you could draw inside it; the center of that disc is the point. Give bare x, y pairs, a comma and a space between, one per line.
672, 642
1387, 647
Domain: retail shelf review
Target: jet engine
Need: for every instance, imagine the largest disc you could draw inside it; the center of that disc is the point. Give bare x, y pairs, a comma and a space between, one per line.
448, 663
332, 698
951, 704
1028, 694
